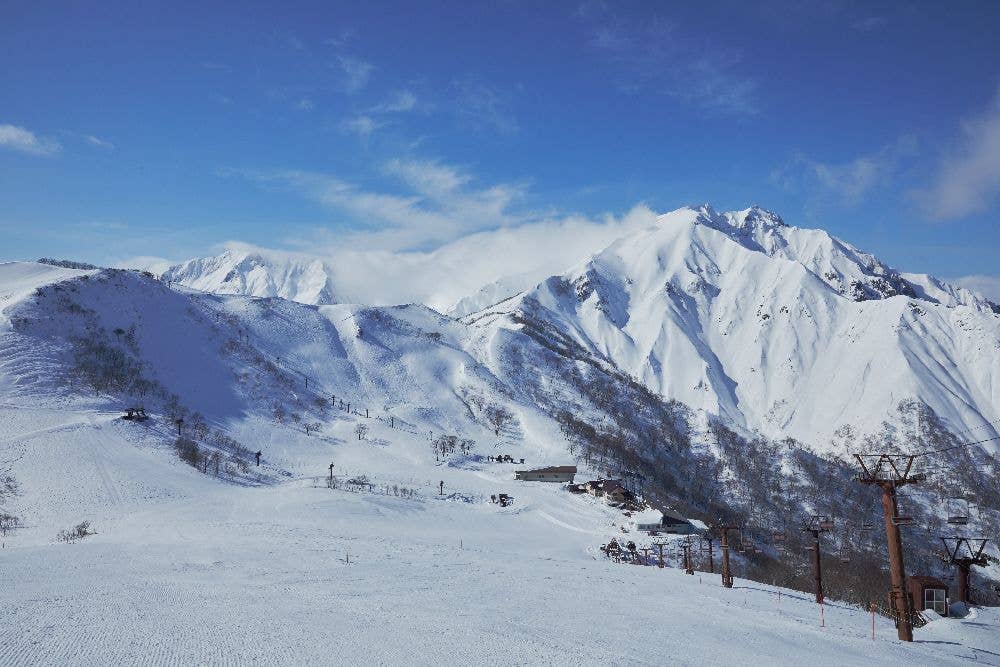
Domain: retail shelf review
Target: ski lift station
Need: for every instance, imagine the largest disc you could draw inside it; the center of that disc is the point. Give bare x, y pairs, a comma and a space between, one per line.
551, 474
669, 523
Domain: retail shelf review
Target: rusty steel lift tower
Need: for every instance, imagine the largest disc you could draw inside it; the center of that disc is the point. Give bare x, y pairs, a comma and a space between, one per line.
889, 472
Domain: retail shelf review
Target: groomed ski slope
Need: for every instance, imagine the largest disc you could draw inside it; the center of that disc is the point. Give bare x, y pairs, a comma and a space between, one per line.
186, 570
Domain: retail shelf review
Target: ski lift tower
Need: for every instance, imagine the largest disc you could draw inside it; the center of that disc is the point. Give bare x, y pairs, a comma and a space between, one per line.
963, 553
889, 472
817, 525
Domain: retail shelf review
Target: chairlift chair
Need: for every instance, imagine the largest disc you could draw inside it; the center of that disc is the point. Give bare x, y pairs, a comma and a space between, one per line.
958, 512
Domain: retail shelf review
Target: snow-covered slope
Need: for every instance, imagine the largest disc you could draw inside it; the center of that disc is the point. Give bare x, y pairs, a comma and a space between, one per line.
258, 273
781, 330
213, 559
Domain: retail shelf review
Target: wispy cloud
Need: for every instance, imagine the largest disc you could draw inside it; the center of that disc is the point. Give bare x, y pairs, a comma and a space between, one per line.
968, 179
16, 138
153, 264
988, 286
341, 39
523, 254
482, 106
656, 57
399, 102
356, 73
98, 142
304, 104
423, 203
848, 181
363, 126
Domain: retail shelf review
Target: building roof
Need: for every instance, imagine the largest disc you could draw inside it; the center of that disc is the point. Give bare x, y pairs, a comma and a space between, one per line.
647, 516
571, 469
926, 580
669, 516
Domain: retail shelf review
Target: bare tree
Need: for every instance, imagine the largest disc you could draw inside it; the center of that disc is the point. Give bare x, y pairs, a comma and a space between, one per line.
312, 427
361, 430
498, 417
8, 522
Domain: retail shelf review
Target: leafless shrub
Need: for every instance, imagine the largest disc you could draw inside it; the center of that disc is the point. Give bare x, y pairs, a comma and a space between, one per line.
188, 451
77, 532
8, 487
8, 522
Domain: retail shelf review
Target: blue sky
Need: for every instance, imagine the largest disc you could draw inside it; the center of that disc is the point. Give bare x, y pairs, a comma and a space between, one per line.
139, 129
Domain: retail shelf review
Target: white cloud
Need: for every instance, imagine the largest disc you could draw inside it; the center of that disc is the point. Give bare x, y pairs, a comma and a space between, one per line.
155, 265
98, 142
439, 277
432, 232
400, 101
423, 204
653, 56
21, 140
304, 104
483, 106
988, 286
848, 181
356, 73
968, 180
428, 177
341, 39
363, 126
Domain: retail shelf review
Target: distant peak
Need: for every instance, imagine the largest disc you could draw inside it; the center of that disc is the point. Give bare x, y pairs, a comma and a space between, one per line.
758, 216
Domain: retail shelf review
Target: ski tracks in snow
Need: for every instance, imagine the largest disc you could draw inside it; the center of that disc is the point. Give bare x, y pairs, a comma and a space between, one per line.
98, 456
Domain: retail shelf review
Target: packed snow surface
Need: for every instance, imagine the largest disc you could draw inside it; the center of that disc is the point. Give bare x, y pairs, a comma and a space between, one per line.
184, 570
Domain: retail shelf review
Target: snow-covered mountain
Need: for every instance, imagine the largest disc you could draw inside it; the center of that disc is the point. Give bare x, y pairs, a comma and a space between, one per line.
258, 273
781, 330
722, 364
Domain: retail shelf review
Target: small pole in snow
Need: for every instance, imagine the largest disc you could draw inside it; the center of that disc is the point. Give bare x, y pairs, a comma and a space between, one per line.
331, 472
258, 457
366, 413
392, 422
872, 605
347, 556
441, 485
179, 421
822, 616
